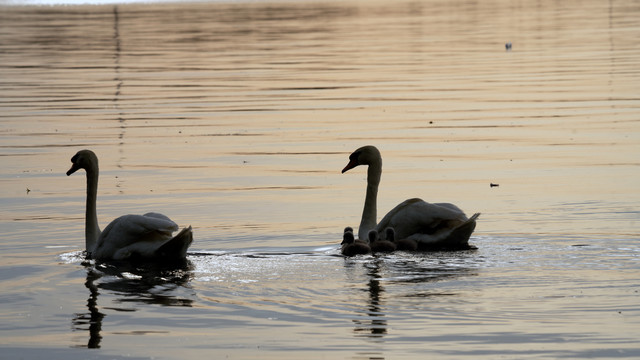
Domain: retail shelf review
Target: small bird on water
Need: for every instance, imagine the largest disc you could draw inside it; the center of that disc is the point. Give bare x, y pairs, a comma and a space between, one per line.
351, 246
402, 244
378, 245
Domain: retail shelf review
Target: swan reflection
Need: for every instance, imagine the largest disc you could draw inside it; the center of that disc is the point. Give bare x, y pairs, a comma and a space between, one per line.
91, 321
414, 274
376, 324
141, 283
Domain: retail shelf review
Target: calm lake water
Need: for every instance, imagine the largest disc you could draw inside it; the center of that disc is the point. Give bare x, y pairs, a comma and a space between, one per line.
236, 118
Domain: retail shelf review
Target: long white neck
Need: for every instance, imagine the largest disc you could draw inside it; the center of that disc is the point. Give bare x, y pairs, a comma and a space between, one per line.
369, 212
91, 228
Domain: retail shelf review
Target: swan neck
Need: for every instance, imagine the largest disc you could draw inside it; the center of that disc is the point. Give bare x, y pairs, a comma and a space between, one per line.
91, 228
369, 212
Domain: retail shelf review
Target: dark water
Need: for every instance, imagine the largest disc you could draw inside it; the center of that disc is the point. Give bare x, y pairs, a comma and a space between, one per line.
237, 118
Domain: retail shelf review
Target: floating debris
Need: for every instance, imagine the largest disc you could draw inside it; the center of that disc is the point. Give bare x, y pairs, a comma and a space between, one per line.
493, 185
507, 46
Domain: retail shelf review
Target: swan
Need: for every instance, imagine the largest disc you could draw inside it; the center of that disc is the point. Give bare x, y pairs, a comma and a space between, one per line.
432, 226
145, 236
380, 245
351, 246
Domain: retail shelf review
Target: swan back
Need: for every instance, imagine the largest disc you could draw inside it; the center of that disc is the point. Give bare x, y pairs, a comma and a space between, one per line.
135, 236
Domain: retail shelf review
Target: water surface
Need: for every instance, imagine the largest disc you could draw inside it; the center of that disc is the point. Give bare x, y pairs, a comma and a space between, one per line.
236, 118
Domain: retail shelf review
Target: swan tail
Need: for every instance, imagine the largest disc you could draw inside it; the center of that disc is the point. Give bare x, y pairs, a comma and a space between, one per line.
459, 238
473, 217
176, 248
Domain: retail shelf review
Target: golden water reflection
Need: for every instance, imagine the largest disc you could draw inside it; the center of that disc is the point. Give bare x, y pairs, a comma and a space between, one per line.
140, 284
240, 105
236, 118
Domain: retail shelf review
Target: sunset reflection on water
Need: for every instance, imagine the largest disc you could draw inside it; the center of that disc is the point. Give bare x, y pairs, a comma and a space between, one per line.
236, 118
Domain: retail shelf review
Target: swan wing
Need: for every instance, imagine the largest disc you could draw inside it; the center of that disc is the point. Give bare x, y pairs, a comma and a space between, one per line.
134, 234
429, 224
159, 217
448, 237
392, 218
169, 249
418, 216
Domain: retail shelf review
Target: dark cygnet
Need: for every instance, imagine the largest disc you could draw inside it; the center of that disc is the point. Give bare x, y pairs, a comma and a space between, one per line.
351, 246
378, 245
403, 244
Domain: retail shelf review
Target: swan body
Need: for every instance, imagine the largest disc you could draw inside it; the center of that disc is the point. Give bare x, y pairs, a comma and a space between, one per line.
351, 246
431, 226
147, 236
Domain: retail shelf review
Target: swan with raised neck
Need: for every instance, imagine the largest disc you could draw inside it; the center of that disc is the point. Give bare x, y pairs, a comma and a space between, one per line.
430, 225
367, 155
145, 236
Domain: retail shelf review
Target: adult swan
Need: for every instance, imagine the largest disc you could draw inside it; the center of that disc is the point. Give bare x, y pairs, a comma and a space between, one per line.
432, 226
143, 237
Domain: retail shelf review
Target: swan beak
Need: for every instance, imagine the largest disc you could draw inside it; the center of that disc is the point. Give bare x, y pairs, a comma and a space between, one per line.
73, 169
350, 165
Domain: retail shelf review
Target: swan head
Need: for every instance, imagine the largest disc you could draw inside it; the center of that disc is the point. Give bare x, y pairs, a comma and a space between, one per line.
348, 229
83, 159
390, 234
348, 238
373, 236
366, 155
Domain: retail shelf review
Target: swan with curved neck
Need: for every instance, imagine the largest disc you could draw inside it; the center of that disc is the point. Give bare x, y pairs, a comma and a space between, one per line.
145, 236
432, 226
